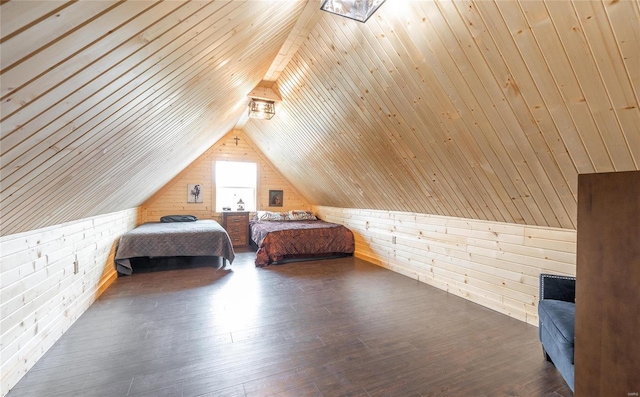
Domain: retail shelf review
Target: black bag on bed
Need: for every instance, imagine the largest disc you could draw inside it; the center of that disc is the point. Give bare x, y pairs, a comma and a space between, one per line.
178, 218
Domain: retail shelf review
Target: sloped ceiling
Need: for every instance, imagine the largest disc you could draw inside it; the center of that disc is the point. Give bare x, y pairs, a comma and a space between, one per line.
103, 102
478, 109
484, 110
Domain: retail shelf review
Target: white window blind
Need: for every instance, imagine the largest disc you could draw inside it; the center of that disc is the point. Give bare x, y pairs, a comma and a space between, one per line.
234, 181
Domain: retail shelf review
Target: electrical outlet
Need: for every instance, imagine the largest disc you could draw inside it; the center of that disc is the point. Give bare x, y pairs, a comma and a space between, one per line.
393, 239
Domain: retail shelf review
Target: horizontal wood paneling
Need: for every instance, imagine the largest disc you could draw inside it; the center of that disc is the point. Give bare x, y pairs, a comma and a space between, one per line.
172, 199
40, 296
494, 264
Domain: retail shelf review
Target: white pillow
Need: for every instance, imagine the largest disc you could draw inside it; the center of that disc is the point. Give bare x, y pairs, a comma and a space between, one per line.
302, 215
271, 216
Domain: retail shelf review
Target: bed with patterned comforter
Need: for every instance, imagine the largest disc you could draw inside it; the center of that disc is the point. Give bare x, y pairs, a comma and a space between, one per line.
279, 241
156, 239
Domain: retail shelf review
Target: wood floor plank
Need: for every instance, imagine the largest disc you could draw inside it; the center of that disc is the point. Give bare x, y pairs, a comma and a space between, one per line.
339, 327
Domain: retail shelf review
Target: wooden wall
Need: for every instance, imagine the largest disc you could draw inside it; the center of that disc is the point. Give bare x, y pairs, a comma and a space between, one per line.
172, 198
40, 296
493, 264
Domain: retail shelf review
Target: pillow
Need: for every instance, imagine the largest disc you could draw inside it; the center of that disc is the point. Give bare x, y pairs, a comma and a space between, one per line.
272, 216
301, 215
178, 218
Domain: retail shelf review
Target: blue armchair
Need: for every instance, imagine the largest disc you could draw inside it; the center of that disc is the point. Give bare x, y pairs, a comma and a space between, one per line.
557, 314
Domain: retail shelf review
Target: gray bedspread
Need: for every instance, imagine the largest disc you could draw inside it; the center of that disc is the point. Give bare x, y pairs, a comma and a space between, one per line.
155, 239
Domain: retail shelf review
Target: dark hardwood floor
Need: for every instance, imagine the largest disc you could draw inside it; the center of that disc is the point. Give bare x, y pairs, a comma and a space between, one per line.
339, 327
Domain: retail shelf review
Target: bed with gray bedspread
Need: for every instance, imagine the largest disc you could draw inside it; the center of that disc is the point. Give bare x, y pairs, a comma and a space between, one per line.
155, 239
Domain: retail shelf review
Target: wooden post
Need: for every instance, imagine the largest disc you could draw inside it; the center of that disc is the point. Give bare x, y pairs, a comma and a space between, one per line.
607, 344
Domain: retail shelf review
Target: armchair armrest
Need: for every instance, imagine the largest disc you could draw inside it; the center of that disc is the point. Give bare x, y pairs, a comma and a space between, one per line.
562, 288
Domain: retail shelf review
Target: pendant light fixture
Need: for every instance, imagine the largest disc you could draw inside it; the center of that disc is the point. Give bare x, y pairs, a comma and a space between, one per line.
262, 104
261, 109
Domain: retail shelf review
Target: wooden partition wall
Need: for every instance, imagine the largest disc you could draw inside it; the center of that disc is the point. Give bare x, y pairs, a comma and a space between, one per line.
48, 278
607, 345
494, 264
172, 198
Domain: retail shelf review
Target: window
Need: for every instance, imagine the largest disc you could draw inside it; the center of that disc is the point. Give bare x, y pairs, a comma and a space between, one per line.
234, 181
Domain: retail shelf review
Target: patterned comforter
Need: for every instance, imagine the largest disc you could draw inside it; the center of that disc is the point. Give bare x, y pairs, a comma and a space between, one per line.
199, 238
299, 239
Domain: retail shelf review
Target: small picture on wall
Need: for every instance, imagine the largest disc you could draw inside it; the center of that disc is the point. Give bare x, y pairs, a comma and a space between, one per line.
194, 193
275, 198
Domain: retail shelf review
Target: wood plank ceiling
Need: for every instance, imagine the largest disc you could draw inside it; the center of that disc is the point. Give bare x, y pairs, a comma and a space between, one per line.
478, 109
103, 102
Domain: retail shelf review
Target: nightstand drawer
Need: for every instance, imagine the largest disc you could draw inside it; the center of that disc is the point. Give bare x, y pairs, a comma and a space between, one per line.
237, 229
240, 220
239, 240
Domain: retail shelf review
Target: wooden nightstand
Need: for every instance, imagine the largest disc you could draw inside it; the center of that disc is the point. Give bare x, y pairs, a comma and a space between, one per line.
237, 225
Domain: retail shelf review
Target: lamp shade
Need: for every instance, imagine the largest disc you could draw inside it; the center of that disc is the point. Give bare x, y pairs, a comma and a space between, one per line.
360, 10
261, 109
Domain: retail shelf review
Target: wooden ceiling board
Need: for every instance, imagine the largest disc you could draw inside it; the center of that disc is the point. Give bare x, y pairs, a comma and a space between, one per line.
157, 106
594, 89
375, 131
81, 92
495, 122
516, 133
623, 20
533, 98
90, 22
393, 100
441, 135
131, 43
163, 124
329, 151
428, 102
571, 102
316, 46
422, 117
433, 136
598, 29
475, 109
307, 20
133, 96
25, 13
308, 132
493, 106
359, 145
